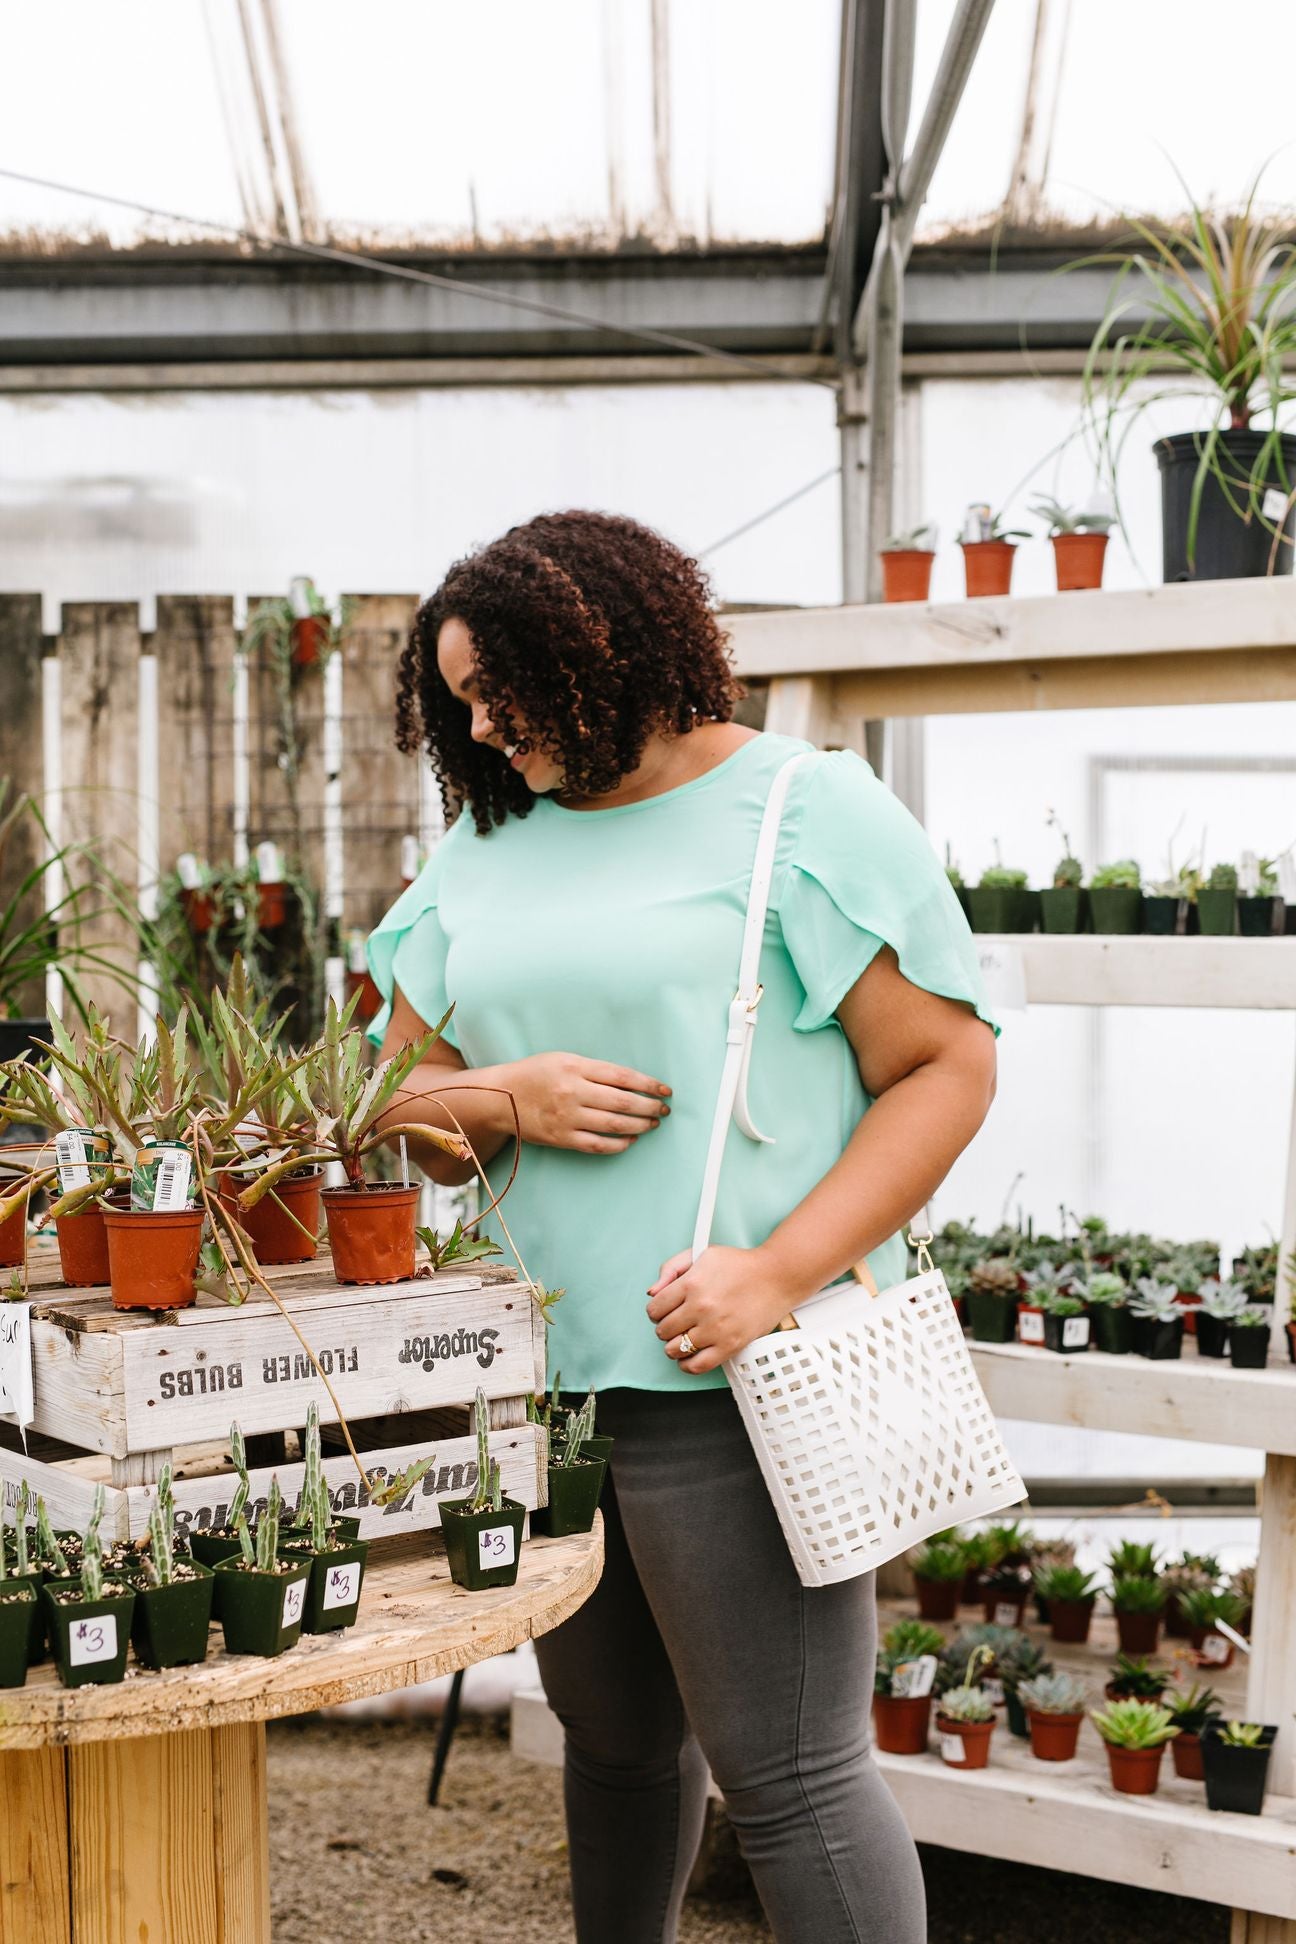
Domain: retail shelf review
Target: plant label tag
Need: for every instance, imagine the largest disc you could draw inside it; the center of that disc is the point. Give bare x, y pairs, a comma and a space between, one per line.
1214, 1649
1006, 1613
171, 1182
1075, 1332
293, 1601
1003, 974
70, 1154
90, 1641
269, 863
951, 1748
189, 871
1274, 505
16, 1393
913, 1679
1030, 1326
496, 1546
342, 1586
994, 1688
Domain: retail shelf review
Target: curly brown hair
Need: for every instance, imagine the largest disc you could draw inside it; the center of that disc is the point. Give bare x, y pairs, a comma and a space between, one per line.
592, 630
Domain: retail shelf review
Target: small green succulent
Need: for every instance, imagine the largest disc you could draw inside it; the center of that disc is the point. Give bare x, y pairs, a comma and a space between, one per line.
1123, 875
1055, 1694
966, 1704
1134, 1724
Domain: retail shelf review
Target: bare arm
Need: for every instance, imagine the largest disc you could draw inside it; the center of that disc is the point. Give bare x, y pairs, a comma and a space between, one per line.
563, 1100
929, 1064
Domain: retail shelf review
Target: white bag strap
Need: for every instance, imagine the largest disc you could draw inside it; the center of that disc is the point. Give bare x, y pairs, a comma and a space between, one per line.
731, 1100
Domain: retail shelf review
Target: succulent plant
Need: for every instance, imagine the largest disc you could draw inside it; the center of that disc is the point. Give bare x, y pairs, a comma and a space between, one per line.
1055, 1694
939, 1559
1132, 1559
911, 1639
1223, 877
1123, 875
1221, 1300
993, 1276
1134, 1594
1191, 1710
1103, 1289
966, 1704
1001, 877
1065, 1583
1134, 1724
1202, 1606
1242, 1734
1134, 1677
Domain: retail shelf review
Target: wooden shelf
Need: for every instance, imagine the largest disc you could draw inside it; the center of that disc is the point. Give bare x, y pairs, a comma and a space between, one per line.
1248, 974
1199, 1399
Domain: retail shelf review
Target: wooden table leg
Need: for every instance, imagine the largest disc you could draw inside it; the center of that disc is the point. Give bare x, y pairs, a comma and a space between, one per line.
33, 1848
168, 1838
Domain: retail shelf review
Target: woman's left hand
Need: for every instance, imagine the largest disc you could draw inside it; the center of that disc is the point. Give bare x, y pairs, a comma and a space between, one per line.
721, 1303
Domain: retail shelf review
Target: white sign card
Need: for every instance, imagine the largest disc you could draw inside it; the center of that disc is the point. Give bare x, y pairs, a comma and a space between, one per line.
1003, 974
496, 1546
92, 1641
70, 1154
1006, 1613
1030, 1326
293, 1601
951, 1748
1075, 1332
913, 1679
342, 1586
16, 1394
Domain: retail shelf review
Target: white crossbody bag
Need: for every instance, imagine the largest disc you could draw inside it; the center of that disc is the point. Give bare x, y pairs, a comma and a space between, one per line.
868, 1419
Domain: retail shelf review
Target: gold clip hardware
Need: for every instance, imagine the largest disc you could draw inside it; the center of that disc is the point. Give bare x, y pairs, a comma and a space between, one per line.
753, 1003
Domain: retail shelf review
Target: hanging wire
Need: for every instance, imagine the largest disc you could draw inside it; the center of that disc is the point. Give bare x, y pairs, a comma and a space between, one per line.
406, 273
759, 519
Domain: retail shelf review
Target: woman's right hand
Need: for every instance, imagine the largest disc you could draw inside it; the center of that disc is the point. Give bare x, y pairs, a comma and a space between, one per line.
565, 1100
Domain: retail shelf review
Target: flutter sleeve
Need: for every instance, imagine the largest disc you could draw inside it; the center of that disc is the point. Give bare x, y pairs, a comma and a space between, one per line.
862, 874
408, 949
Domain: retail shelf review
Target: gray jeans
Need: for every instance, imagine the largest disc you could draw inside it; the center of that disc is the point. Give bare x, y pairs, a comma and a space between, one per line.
700, 1646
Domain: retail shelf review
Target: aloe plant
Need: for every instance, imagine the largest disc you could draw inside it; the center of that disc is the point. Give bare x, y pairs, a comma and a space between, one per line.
1242, 1734
1134, 1724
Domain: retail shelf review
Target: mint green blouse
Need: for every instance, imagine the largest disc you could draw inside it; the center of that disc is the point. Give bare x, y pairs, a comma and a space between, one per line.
615, 933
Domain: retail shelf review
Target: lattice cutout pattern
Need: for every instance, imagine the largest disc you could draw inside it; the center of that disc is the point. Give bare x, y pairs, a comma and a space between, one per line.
871, 1427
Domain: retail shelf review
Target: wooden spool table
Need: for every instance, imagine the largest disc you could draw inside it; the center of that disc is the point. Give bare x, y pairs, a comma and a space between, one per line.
139, 1812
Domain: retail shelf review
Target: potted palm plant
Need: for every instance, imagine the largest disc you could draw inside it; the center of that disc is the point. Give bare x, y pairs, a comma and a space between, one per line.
173, 1598
1079, 542
1070, 1595
1055, 1709
988, 551
1116, 898
1248, 1338
902, 1687
262, 1594
1208, 301
337, 1559
907, 564
1235, 1764
1217, 902
483, 1532
938, 1568
89, 1618
1135, 1733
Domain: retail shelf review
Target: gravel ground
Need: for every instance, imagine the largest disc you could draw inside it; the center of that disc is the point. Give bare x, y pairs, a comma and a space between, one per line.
359, 1858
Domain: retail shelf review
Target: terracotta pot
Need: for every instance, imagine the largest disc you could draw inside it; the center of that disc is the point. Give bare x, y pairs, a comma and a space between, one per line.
987, 566
1135, 1771
1070, 1620
1078, 558
974, 1736
153, 1259
272, 906
274, 1234
1189, 1302
906, 574
1053, 1737
372, 1000
12, 1236
83, 1248
937, 1599
1138, 1632
199, 909
371, 1232
1185, 1752
1291, 1340
901, 1723
310, 635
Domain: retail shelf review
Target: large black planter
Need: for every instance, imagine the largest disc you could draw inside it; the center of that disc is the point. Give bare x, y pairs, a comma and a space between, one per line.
1235, 1777
1159, 1341
1228, 547
1249, 1346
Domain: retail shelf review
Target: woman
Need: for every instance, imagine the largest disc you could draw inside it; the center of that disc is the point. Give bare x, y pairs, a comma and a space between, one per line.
571, 686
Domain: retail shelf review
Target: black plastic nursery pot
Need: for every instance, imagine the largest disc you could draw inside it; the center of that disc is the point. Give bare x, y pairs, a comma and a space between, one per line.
1116, 909
1248, 1346
1112, 1328
209, 1548
1228, 545
88, 1638
1001, 908
1256, 917
598, 1446
35, 1613
1212, 1335
573, 1499
1217, 913
1064, 908
993, 1315
483, 1548
171, 1624
262, 1613
1161, 1342
1165, 917
1236, 1778
16, 1604
1015, 1709
333, 1590
1067, 1335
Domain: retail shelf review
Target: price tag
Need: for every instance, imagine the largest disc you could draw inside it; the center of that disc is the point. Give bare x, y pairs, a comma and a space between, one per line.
1274, 504
1075, 1332
1003, 974
342, 1586
951, 1748
16, 1399
1030, 1326
269, 863
1006, 1614
293, 1601
1215, 1649
913, 1679
496, 1546
90, 1641
70, 1154
171, 1182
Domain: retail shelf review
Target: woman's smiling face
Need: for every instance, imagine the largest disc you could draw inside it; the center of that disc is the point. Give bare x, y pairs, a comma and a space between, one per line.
457, 661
